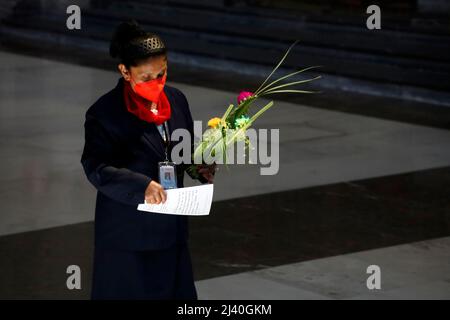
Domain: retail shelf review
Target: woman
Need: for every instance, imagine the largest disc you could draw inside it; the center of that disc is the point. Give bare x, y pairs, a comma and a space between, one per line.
137, 255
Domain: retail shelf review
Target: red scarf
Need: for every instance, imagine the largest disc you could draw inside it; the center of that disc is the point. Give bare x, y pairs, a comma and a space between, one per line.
140, 107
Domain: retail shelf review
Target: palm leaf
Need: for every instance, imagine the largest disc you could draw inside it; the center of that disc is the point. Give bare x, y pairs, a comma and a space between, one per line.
289, 91
278, 65
292, 83
287, 76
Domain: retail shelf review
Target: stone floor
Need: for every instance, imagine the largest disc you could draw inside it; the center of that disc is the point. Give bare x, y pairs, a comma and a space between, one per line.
41, 138
347, 183
418, 270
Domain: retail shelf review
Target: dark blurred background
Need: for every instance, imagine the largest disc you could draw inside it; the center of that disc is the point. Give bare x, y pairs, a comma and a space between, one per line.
408, 58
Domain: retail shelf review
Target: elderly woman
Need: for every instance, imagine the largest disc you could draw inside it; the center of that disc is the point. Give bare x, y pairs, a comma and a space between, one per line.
127, 134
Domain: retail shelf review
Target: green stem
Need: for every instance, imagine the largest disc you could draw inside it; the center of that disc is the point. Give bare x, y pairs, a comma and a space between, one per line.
287, 76
288, 91
278, 65
250, 122
292, 83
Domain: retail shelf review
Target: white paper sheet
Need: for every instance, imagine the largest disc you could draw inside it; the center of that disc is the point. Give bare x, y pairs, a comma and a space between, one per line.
190, 201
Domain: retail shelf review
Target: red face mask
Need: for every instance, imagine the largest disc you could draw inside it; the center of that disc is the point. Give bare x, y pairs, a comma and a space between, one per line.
137, 100
150, 90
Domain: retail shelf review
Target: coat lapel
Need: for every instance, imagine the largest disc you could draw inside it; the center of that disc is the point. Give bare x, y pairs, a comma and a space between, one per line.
171, 121
152, 136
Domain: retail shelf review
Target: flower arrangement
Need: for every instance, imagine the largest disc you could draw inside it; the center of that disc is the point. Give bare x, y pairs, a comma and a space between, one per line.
232, 126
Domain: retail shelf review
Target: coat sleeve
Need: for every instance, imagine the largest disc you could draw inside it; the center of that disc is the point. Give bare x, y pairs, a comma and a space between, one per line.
120, 184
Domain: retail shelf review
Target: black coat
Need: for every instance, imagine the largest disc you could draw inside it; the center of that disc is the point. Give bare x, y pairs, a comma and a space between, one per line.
120, 158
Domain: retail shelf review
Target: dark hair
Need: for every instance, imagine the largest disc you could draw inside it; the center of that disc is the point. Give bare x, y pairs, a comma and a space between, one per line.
131, 44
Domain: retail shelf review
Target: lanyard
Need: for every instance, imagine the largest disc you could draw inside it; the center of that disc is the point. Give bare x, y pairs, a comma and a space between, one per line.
164, 131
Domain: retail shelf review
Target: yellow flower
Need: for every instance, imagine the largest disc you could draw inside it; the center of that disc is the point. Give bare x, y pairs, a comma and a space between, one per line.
214, 122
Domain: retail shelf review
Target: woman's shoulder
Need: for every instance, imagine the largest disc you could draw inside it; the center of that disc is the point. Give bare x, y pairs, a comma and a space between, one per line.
106, 103
175, 92
110, 113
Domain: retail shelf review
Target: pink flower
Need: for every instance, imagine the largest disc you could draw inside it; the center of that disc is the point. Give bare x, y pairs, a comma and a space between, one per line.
244, 95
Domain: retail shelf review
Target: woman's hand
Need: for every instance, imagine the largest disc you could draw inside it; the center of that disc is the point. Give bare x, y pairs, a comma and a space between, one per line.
155, 193
207, 171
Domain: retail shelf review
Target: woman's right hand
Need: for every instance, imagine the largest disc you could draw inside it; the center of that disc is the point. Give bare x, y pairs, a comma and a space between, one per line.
155, 193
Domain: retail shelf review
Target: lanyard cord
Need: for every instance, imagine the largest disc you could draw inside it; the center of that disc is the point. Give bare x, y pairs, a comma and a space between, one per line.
166, 139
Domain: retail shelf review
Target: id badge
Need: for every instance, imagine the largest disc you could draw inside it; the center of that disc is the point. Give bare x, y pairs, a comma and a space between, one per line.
167, 175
